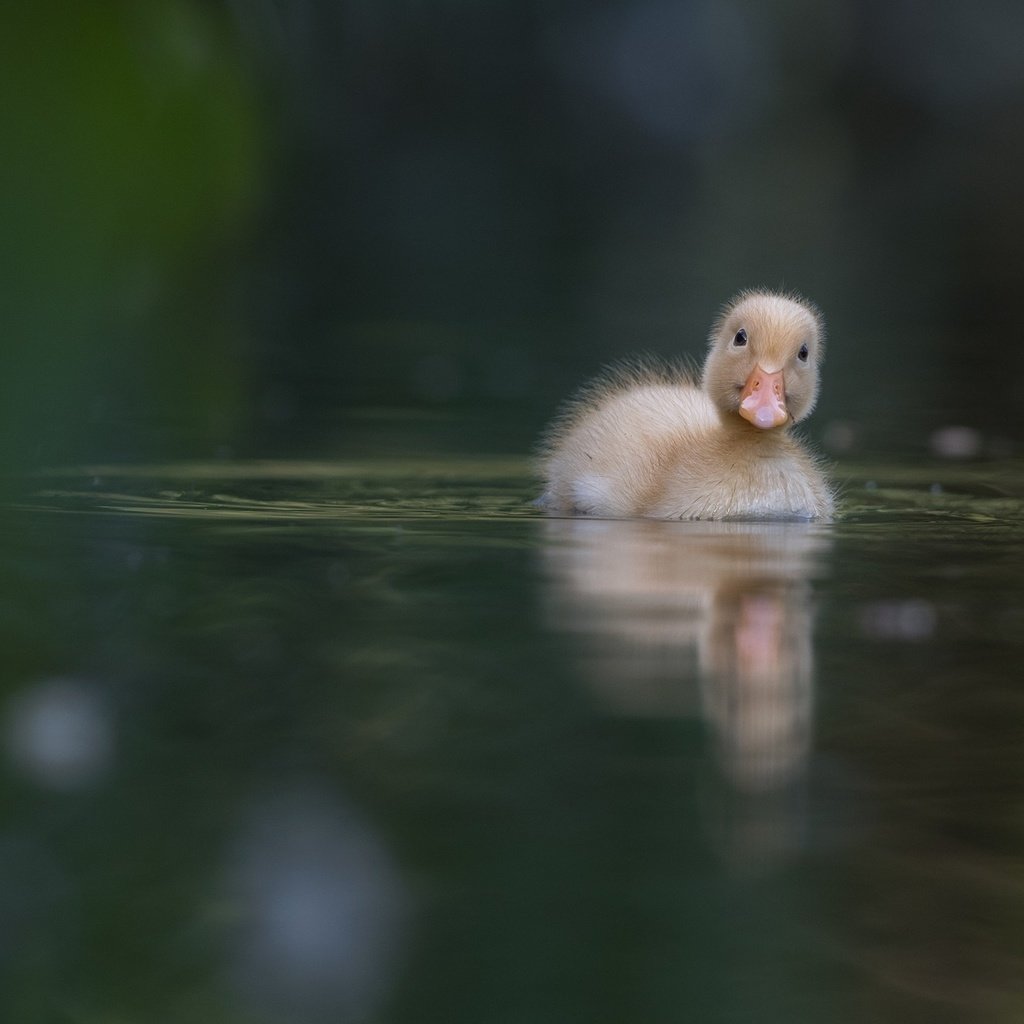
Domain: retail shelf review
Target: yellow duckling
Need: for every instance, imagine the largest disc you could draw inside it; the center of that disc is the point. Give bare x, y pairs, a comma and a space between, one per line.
652, 442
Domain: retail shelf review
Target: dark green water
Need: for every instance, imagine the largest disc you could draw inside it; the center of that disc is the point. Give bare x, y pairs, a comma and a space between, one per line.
376, 742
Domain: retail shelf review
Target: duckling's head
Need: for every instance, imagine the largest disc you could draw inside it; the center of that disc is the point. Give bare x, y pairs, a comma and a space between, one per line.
763, 364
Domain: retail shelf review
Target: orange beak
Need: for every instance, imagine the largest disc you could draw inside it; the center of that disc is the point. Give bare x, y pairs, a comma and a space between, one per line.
763, 401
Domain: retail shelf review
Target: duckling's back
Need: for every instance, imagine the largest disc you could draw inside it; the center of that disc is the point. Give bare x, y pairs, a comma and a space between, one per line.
608, 453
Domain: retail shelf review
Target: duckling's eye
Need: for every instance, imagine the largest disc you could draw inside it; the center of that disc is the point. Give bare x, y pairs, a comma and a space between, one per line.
802, 354
741, 338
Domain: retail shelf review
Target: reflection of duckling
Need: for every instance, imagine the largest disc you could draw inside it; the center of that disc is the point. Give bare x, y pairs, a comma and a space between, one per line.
710, 619
649, 442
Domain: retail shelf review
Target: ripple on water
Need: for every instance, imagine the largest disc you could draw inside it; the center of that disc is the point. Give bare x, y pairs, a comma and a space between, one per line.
473, 489
291, 490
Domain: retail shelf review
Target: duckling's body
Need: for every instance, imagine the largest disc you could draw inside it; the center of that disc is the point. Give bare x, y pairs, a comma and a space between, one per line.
656, 443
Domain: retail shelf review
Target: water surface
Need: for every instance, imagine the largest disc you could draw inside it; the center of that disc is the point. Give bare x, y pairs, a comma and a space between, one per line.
375, 741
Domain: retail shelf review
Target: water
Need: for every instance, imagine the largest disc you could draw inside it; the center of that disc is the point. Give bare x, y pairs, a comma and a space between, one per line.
374, 741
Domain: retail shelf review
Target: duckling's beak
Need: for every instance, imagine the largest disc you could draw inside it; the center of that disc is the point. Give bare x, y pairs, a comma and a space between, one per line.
763, 401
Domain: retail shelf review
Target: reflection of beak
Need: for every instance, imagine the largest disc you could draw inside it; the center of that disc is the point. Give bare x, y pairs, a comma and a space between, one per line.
763, 401
760, 641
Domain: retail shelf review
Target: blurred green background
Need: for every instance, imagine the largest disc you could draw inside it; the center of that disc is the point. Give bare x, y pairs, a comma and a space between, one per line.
234, 228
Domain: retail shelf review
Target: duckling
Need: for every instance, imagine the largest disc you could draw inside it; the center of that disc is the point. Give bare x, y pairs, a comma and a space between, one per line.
647, 441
